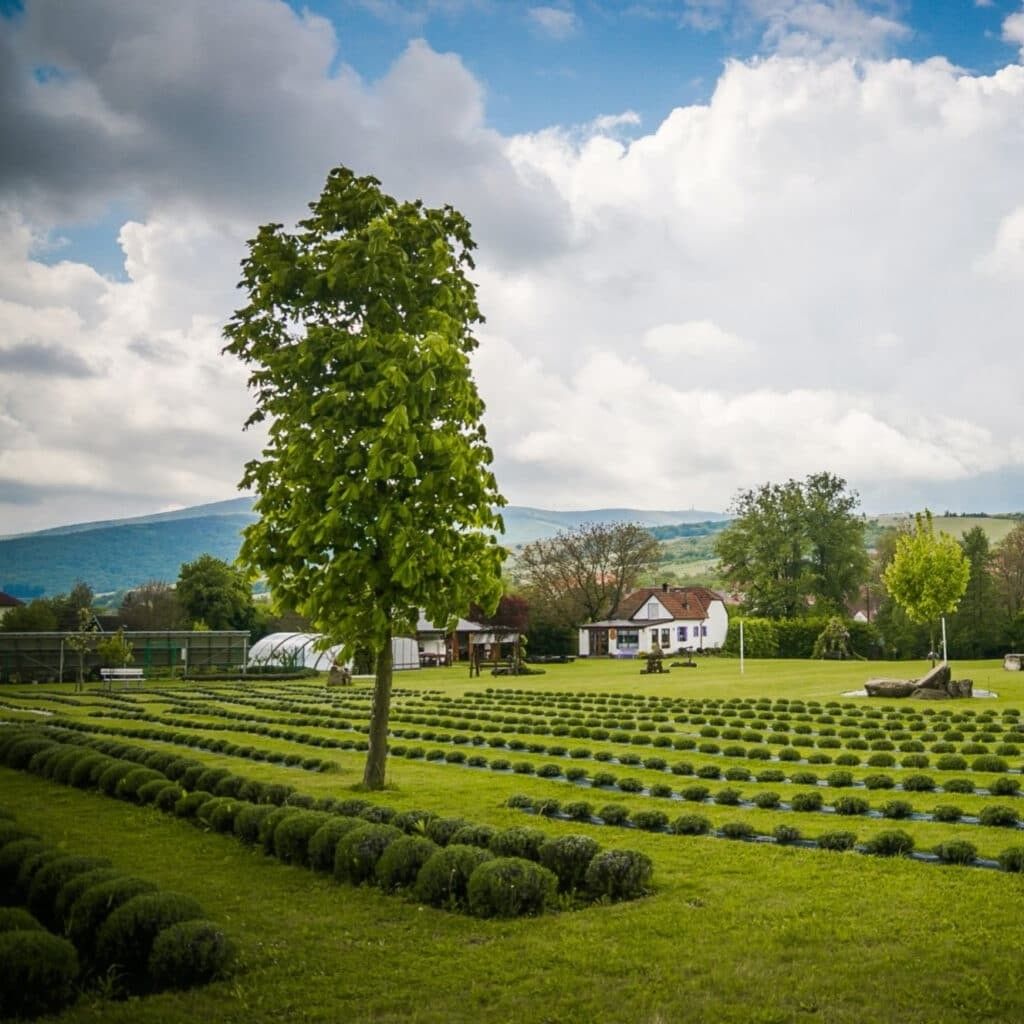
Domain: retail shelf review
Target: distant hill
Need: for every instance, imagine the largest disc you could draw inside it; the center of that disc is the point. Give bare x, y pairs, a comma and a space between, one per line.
114, 555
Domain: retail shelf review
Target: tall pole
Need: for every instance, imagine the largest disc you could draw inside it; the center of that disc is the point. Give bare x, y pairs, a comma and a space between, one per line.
741, 647
945, 655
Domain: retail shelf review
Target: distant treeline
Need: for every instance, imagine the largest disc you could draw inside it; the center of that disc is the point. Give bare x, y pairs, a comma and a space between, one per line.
687, 530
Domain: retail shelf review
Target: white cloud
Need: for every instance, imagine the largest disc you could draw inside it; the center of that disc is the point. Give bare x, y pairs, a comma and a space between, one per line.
1013, 30
698, 339
817, 269
557, 22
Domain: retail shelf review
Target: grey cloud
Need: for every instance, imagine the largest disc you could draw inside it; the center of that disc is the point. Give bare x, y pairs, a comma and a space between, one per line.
43, 359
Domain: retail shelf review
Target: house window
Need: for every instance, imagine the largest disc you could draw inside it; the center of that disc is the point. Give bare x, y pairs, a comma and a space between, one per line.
681, 632
703, 630
628, 638
665, 637
652, 610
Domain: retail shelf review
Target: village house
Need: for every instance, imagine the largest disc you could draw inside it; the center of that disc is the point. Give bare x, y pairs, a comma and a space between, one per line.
675, 619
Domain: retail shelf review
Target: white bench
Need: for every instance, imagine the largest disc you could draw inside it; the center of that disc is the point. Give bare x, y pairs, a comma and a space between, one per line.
125, 676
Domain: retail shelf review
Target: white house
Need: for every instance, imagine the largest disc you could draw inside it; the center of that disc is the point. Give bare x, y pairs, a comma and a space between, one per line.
677, 619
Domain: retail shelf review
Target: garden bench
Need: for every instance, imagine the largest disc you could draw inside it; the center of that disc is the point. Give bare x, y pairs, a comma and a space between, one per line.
126, 676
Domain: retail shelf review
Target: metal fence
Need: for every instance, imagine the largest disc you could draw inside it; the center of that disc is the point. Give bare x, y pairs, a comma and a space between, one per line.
46, 657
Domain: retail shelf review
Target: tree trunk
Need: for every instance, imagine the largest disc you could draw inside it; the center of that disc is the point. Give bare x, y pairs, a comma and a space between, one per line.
377, 755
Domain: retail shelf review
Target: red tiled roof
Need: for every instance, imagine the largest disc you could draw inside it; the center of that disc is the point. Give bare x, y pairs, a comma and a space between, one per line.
6, 601
680, 602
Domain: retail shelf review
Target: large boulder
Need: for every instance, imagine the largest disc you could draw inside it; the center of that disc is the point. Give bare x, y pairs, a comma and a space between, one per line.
890, 688
938, 678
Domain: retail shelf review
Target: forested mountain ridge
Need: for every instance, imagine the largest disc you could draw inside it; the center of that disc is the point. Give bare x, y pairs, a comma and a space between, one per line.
115, 555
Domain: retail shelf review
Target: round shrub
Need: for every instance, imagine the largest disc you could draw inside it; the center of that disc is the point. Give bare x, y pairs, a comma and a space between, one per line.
128, 788
771, 775
126, 937
896, 809
87, 914
881, 760
1005, 787
956, 851
999, 816
737, 830
39, 973
630, 785
401, 861
947, 812
518, 842
989, 763
188, 806
804, 779
708, 771
377, 814
188, 954
247, 821
323, 843
474, 835
441, 830
959, 786
18, 919
51, 878
811, 801
618, 874
1012, 859
73, 888
293, 833
614, 814
579, 810
548, 808
851, 805
879, 782
650, 821
840, 779
568, 858
12, 857
510, 887
784, 834
951, 762
690, 825
415, 821
357, 852
443, 880
838, 841
695, 794
918, 784
268, 825
891, 843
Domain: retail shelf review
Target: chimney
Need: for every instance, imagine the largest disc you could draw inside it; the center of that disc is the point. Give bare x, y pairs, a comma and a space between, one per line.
664, 588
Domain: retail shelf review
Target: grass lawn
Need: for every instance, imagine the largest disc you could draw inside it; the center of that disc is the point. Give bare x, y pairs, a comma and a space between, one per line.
733, 931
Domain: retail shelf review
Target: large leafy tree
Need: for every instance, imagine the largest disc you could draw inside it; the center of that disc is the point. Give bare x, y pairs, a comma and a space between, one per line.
581, 575
928, 574
975, 627
214, 593
374, 490
1008, 570
793, 542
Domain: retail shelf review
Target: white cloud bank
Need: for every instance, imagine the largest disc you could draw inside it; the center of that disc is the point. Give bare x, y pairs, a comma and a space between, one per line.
819, 269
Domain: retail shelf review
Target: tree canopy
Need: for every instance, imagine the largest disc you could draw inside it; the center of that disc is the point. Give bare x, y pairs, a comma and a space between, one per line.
928, 573
215, 594
793, 544
374, 490
581, 575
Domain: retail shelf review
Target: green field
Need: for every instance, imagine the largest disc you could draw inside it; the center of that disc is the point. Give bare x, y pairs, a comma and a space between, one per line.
732, 931
995, 527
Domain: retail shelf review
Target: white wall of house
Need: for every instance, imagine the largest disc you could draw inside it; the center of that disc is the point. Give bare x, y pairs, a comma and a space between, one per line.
671, 635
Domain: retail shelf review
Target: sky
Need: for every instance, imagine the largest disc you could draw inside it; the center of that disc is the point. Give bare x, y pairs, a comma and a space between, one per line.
720, 242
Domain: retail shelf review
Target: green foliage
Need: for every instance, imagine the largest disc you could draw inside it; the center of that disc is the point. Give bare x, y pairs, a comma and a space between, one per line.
999, 816
518, 841
323, 843
293, 834
760, 639
127, 935
619, 875
837, 841
92, 908
443, 881
375, 479
51, 878
568, 857
39, 973
400, 863
188, 954
18, 919
215, 593
788, 542
1012, 859
115, 649
510, 887
928, 574
357, 852
956, 851
890, 843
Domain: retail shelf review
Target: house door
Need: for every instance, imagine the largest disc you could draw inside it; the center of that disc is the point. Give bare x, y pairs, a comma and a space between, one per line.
599, 641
